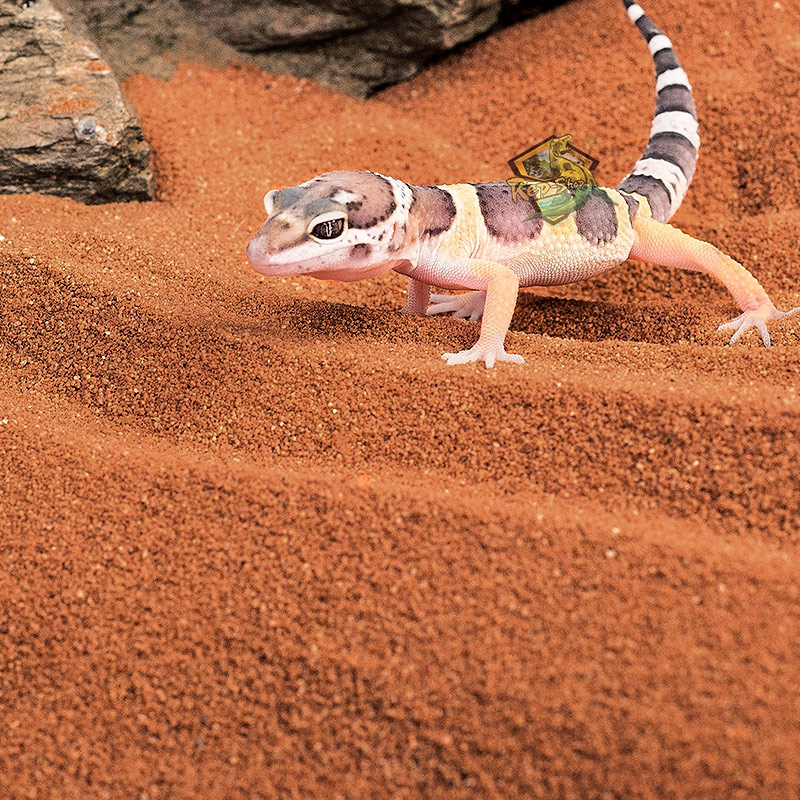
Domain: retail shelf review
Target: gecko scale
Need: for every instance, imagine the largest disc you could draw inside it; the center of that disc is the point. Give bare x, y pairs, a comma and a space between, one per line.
352, 225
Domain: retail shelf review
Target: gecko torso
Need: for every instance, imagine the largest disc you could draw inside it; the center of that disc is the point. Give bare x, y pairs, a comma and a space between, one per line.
353, 225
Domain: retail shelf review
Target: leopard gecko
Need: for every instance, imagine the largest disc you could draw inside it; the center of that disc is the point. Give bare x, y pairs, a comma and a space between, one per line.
348, 225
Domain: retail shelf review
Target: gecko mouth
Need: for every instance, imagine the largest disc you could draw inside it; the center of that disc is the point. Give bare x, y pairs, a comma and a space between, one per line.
270, 263
267, 263
334, 265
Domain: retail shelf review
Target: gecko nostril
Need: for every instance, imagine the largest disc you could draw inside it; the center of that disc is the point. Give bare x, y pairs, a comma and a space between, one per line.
255, 252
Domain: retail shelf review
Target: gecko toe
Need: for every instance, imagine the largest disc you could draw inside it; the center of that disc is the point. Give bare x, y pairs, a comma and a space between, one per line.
734, 323
464, 357
441, 308
463, 306
738, 333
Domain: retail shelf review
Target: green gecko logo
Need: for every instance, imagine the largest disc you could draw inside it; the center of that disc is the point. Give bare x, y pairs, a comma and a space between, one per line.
556, 174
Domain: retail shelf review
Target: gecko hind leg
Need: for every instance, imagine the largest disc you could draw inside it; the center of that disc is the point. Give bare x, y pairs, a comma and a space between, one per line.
660, 243
464, 306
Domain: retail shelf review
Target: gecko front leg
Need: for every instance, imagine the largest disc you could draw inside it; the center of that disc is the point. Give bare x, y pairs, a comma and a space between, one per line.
501, 287
419, 293
659, 243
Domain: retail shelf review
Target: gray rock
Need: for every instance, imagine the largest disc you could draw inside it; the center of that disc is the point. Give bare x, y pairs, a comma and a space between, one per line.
356, 46
152, 36
65, 126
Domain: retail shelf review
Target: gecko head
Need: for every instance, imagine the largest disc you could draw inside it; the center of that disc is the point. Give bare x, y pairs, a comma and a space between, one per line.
342, 225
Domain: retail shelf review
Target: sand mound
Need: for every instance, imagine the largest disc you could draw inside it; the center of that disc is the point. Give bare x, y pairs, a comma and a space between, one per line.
259, 541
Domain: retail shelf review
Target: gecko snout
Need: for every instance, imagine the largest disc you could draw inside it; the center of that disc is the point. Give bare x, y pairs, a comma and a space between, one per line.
252, 250
257, 254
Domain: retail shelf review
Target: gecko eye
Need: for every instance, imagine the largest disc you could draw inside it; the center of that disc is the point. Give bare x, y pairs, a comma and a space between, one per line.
327, 226
329, 229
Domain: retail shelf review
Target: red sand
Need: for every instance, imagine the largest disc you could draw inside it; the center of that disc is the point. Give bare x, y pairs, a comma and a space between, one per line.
258, 541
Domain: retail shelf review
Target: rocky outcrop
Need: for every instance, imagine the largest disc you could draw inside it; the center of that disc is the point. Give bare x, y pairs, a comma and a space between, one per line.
65, 126
356, 46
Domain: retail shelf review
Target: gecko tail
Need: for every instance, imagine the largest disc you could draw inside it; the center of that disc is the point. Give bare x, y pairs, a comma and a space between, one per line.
663, 173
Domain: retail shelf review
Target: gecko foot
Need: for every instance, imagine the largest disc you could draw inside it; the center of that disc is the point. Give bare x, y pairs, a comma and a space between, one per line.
479, 352
756, 318
465, 306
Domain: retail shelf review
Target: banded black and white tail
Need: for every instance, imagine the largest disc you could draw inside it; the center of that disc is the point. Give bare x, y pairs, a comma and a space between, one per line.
664, 172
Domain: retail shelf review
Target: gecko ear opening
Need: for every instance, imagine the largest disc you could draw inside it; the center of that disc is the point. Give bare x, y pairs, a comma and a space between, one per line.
269, 201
